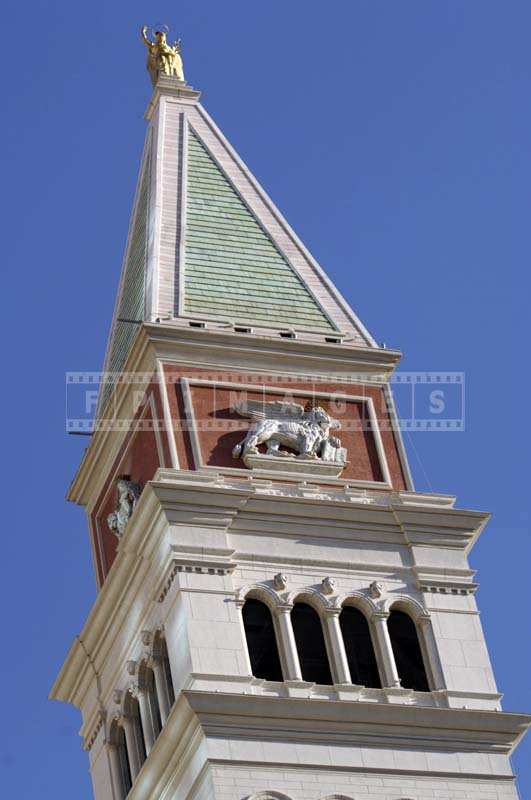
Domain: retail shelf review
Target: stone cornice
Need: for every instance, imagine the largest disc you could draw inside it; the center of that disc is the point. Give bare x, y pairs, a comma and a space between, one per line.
327, 721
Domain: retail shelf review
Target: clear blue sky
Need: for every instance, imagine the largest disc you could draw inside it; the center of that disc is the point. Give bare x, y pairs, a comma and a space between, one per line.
395, 136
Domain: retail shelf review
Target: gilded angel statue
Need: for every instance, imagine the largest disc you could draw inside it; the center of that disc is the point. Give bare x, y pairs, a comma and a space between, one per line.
163, 58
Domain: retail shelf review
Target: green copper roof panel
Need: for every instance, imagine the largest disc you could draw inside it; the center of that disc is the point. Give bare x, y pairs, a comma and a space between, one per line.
232, 268
132, 298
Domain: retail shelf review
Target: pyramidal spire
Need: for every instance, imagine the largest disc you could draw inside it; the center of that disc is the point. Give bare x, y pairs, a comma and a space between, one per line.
206, 243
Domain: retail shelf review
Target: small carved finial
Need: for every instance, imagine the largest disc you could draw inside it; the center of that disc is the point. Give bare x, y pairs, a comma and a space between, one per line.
375, 590
117, 696
163, 58
130, 667
328, 585
280, 581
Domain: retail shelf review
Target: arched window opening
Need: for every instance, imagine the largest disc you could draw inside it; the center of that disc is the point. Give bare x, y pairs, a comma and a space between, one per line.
123, 760
407, 652
167, 673
163, 678
311, 646
261, 641
134, 715
148, 685
358, 647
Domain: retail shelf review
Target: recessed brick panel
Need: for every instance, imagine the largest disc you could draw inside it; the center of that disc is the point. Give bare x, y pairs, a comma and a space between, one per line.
218, 428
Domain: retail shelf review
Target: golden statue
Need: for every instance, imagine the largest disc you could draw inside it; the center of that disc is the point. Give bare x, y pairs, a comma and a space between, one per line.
163, 58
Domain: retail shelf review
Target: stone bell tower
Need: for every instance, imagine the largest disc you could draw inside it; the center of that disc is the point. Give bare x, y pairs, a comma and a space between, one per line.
280, 615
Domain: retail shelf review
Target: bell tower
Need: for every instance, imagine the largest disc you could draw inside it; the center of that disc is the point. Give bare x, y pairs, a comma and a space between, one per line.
280, 615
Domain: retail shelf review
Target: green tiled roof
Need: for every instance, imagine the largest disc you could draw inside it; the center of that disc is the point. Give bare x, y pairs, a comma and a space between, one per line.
232, 268
132, 299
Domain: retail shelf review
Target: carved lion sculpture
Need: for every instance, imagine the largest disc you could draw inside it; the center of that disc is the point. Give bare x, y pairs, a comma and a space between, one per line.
289, 425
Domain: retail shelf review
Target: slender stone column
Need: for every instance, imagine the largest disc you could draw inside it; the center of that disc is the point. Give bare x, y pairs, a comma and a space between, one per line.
146, 719
116, 771
387, 664
132, 746
337, 654
162, 691
288, 649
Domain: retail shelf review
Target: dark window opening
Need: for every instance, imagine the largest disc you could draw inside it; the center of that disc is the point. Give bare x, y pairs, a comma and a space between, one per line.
139, 731
407, 652
167, 674
311, 646
261, 641
153, 699
288, 335
125, 767
358, 647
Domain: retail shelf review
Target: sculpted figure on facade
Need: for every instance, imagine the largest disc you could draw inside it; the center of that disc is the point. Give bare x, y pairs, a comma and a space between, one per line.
376, 590
163, 58
128, 494
304, 430
328, 585
280, 581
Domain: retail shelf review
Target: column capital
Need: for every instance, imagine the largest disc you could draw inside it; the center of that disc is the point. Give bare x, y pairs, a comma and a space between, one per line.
332, 611
283, 608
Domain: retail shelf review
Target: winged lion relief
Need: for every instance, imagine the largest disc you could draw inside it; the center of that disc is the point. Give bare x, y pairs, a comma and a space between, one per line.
289, 430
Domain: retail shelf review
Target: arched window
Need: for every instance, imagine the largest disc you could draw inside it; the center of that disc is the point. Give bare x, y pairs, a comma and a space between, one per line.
163, 678
125, 767
261, 641
407, 652
358, 647
311, 646
167, 672
146, 680
121, 766
133, 712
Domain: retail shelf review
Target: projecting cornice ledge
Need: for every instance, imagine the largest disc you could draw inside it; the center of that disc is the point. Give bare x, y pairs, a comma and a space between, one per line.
360, 723
451, 528
395, 516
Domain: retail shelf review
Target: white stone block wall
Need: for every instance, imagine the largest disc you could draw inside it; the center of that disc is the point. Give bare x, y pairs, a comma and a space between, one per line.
244, 782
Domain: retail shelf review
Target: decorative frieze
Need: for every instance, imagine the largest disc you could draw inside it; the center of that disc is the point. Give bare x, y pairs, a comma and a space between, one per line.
89, 741
194, 566
446, 587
